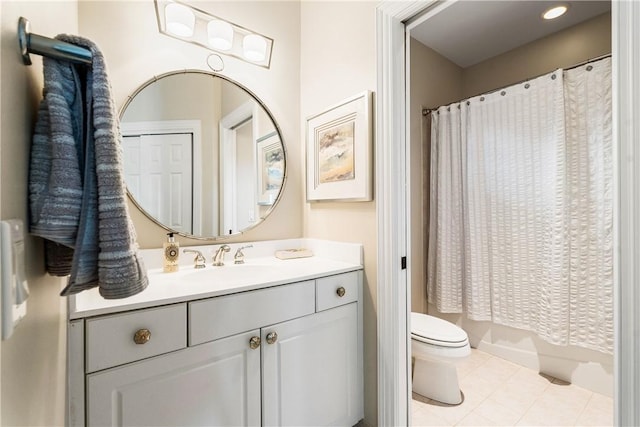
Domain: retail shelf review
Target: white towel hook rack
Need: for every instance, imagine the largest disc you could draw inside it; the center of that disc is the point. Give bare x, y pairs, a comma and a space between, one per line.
39, 45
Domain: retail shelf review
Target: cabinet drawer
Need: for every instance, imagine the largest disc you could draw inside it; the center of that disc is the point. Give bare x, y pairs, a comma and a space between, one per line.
329, 289
110, 339
232, 314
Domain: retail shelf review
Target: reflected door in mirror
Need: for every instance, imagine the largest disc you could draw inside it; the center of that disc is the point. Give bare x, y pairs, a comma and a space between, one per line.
158, 174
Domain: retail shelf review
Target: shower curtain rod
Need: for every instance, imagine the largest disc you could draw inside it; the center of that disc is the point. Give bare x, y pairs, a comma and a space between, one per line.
427, 111
45, 46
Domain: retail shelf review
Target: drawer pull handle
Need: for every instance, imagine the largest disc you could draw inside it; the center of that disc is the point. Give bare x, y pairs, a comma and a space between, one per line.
272, 337
254, 343
341, 291
142, 336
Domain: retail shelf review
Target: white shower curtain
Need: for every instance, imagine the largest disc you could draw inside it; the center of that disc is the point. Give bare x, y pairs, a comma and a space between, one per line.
521, 207
590, 207
446, 210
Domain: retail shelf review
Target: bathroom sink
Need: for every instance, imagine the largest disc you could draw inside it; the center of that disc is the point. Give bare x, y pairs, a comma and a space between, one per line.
230, 274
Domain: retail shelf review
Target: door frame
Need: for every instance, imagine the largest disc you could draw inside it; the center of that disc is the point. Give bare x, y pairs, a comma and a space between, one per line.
227, 163
392, 172
392, 187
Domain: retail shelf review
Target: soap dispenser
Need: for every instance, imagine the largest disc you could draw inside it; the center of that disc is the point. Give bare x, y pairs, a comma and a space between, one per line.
171, 253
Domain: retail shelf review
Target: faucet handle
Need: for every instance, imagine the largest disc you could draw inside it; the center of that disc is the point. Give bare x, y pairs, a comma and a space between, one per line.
238, 258
199, 260
218, 256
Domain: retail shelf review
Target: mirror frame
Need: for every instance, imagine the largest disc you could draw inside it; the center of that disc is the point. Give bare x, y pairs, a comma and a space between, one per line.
285, 174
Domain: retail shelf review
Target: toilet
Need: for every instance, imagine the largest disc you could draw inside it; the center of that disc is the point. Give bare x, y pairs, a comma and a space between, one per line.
436, 346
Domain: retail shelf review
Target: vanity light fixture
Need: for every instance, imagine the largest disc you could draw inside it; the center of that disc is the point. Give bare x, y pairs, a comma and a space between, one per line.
187, 23
254, 47
555, 12
220, 34
179, 19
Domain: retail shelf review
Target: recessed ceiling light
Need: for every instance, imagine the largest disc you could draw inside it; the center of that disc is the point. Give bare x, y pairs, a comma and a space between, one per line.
555, 12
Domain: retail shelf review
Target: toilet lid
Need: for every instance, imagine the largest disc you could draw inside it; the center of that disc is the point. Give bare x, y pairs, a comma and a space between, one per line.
434, 330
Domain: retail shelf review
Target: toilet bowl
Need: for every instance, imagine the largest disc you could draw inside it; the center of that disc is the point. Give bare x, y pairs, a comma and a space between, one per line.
436, 346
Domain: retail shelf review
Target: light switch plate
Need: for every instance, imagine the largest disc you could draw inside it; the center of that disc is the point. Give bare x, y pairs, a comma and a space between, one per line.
13, 281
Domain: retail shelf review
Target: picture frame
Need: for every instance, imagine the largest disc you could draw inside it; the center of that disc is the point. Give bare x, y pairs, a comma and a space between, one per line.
339, 152
270, 167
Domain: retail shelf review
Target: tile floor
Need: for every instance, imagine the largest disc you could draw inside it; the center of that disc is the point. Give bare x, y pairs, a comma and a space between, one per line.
501, 393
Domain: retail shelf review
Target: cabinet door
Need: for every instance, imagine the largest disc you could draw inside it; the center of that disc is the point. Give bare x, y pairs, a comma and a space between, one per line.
213, 384
310, 373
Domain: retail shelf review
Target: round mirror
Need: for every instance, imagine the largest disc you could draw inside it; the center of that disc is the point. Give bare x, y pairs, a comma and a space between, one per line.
203, 157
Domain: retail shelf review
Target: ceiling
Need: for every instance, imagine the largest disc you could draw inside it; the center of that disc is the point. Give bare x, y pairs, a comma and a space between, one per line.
470, 31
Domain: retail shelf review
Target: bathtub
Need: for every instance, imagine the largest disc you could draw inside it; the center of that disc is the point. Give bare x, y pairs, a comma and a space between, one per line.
580, 366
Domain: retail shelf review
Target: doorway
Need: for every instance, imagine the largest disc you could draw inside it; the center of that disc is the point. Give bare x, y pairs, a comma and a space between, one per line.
392, 168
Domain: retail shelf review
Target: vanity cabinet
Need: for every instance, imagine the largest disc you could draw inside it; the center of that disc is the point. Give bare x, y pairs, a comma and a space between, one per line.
310, 373
284, 355
217, 383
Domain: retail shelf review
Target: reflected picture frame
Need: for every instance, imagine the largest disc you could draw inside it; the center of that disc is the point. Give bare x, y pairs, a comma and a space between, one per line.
339, 152
270, 168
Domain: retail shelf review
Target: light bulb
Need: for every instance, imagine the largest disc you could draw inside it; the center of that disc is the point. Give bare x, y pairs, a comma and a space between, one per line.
220, 34
179, 20
254, 47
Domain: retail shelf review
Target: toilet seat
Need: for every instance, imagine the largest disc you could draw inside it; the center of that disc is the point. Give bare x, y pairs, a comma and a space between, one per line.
436, 331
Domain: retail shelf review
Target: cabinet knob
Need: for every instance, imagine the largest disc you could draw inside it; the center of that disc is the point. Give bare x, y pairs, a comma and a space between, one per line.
272, 337
142, 336
341, 291
254, 343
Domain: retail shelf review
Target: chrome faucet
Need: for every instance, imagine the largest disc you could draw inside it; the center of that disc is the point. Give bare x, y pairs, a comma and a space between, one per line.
198, 260
238, 258
218, 257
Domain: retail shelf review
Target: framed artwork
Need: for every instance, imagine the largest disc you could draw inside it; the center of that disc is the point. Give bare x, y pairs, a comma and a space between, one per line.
270, 168
339, 152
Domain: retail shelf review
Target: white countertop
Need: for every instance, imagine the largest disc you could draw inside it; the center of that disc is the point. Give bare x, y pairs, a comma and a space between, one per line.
261, 269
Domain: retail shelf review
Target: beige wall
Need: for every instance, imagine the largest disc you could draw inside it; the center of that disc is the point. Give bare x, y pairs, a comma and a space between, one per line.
1, 55
565, 48
33, 359
338, 60
136, 51
434, 81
